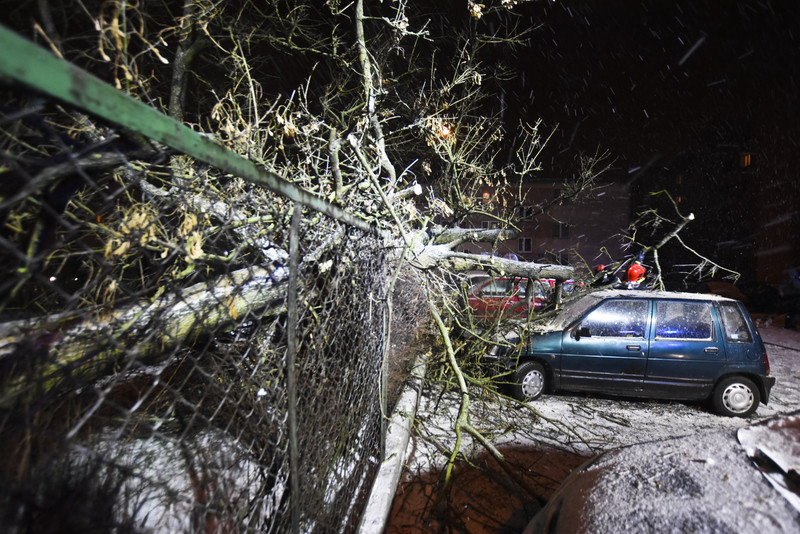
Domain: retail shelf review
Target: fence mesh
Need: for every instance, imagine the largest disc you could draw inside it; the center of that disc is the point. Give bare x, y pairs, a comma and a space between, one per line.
144, 330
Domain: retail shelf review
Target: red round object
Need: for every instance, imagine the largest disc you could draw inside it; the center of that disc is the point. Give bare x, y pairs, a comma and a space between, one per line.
635, 272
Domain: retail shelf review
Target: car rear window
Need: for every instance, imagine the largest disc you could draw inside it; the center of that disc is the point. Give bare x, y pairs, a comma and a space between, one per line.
734, 323
679, 319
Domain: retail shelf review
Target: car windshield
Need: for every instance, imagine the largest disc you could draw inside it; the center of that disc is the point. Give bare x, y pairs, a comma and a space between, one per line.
574, 310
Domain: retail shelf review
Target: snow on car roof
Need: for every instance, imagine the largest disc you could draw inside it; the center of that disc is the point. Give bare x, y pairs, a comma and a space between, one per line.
629, 293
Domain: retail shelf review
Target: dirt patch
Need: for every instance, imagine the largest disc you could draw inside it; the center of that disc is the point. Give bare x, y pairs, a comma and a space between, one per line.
483, 498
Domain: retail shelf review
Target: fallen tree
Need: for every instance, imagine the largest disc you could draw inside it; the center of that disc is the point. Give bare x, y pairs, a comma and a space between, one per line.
38, 354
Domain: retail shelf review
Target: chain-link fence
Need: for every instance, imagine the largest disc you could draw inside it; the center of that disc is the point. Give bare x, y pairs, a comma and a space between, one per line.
180, 350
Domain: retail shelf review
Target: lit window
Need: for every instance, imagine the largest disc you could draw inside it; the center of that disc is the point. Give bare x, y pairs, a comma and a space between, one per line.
744, 160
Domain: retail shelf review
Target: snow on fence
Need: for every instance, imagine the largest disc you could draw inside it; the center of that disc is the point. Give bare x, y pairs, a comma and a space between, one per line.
188, 343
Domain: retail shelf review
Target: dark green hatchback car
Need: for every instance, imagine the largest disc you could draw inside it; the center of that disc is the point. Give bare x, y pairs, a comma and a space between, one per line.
652, 344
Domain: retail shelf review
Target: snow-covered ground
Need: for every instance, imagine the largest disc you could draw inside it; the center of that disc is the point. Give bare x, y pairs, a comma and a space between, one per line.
702, 483
592, 424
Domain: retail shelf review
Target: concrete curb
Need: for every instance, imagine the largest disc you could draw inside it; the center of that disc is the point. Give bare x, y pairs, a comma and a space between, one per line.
398, 433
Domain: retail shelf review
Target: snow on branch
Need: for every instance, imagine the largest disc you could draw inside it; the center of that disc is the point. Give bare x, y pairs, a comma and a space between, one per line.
439, 253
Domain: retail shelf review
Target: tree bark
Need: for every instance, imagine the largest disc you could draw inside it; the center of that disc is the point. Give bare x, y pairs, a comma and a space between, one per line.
455, 236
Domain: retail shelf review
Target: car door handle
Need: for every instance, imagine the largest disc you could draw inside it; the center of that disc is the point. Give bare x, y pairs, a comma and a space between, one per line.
634, 348
712, 350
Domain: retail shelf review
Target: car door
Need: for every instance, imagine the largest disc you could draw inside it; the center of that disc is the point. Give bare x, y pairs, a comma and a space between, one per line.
607, 350
687, 352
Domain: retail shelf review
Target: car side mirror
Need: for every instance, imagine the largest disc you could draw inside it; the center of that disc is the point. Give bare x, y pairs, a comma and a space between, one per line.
582, 331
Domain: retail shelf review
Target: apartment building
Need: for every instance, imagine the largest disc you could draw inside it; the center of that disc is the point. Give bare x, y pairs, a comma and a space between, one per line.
585, 231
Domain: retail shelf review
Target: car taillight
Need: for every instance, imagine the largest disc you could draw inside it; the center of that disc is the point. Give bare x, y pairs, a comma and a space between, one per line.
766, 361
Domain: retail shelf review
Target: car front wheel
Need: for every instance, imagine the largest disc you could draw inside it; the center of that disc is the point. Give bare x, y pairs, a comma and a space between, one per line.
529, 381
736, 397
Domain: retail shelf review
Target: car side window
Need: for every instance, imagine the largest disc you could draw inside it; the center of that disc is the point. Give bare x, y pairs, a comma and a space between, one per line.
538, 289
495, 288
504, 288
618, 318
680, 319
734, 323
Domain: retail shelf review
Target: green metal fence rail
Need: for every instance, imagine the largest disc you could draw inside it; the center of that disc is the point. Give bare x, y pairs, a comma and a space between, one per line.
34, 66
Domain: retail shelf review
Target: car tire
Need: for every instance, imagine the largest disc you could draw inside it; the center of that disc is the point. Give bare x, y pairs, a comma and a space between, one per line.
530, 381
736, 396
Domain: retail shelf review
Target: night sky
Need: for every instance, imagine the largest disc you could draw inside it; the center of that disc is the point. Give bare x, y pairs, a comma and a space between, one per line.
645, 78
676, 87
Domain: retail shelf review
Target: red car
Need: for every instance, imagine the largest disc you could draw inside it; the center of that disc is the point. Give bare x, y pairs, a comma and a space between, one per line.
569, 285
507, 296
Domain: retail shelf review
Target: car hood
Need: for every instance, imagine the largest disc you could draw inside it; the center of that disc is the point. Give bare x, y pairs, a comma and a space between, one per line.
546, 341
